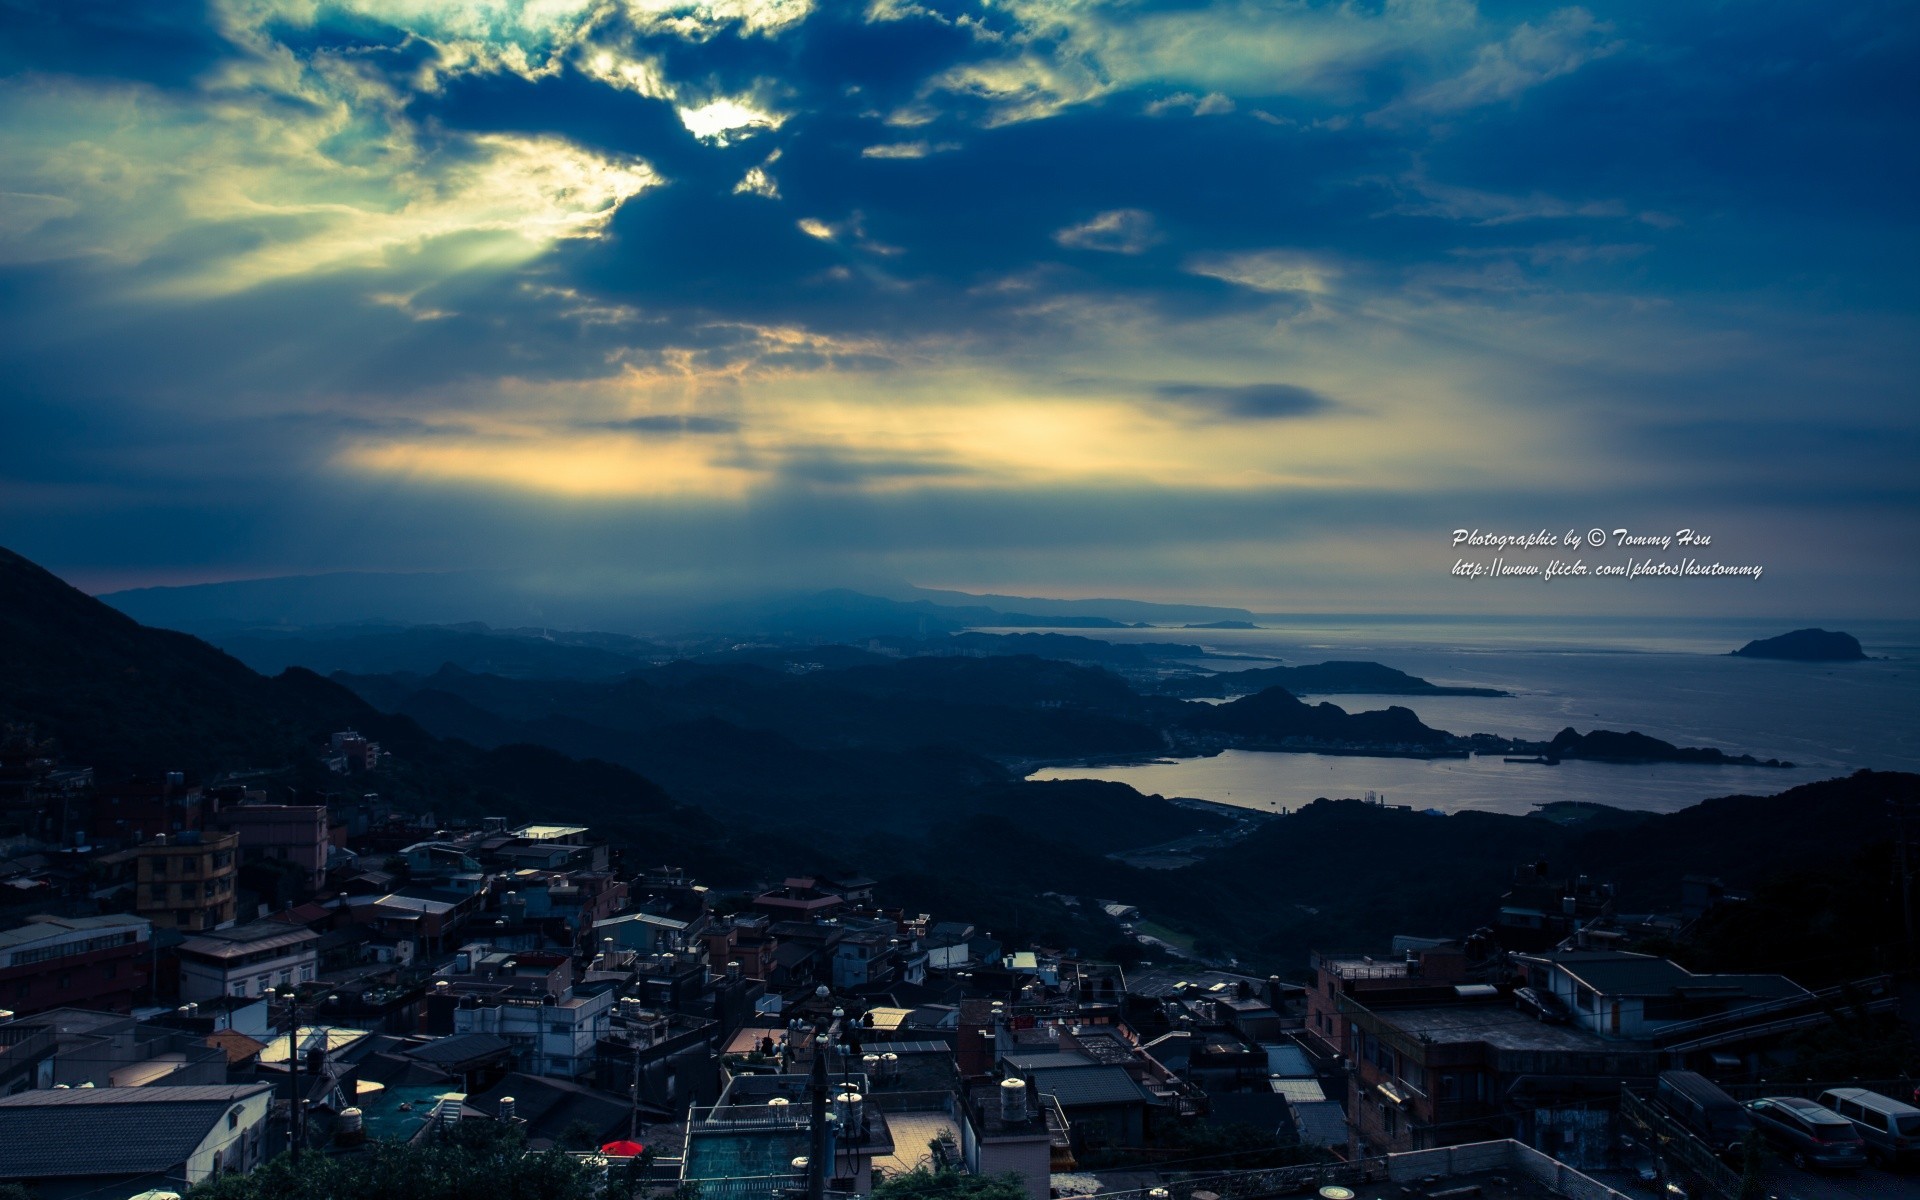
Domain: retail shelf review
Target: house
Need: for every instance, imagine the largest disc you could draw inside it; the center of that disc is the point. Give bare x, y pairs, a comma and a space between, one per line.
247, 960
76, 1142
528, 1000
84, 962
1619, 994
1101, 1101
431, 920
96, 1049
1005, 1129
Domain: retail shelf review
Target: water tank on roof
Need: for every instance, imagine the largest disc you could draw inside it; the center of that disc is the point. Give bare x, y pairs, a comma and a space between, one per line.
1013, 1100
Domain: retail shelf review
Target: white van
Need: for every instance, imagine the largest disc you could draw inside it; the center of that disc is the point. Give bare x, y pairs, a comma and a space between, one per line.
1890, 1128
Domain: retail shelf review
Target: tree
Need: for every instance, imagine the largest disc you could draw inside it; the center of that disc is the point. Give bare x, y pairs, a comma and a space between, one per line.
474, 1160
922, 1183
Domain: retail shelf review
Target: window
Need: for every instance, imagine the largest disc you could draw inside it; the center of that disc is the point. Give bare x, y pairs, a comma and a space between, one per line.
240, 989
233, 1119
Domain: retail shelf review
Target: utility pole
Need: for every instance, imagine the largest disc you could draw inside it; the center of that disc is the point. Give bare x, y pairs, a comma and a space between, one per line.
633, 1116
295, 1134
817, 1161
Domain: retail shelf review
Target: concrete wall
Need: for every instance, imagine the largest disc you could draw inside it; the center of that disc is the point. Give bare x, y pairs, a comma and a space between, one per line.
241, 1146
1498, 1156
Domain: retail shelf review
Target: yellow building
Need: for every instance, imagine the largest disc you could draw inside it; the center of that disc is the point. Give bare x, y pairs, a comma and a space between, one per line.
185, 881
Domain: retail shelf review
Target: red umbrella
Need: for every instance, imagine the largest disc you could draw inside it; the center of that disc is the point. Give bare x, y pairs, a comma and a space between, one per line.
623, 1149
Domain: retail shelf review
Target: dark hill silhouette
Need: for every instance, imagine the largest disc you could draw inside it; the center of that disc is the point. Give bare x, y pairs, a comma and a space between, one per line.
123, 698
1276, 715
1806, 645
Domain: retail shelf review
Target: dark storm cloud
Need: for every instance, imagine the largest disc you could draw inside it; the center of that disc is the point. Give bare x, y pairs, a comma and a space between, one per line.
1246, 402
1638, 223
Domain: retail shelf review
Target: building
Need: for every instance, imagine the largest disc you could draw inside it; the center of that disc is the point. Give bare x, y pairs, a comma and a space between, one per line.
185, 881
530, 1001
1451, 1063
1340, 977
248, 960
84, 962
762, 1129
1007, 1129
1618, 994
289, 833
132, 812
119, 1141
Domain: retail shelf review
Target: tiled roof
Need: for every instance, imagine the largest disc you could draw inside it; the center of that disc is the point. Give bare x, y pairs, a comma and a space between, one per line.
460, 1048
237, 1046
1320, 1123
1076, 1086
109, 1131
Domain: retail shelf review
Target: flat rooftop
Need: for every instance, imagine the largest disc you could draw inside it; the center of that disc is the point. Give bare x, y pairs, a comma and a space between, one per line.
1496, 1023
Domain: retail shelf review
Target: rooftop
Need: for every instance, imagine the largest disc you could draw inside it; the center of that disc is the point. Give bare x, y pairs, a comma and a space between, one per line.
1497, 1024
1074, 1087
1623, 973
45, 926
109, 1131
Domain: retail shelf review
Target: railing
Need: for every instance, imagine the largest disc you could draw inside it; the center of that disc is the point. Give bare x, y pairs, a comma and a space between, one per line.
750, 1116
1266, 1182
1676, 1145
748, 1187
1875, 993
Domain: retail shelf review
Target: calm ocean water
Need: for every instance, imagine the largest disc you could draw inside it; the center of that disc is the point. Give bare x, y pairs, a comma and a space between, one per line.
1671, 679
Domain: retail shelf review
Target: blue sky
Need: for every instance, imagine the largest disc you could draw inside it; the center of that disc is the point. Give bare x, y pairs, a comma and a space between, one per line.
1252, 303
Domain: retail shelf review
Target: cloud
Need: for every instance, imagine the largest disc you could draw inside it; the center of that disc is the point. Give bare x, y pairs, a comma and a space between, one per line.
1211, 104
1244, 402
1267, 270
1532, 54
1116, 231
670, 423
916, 149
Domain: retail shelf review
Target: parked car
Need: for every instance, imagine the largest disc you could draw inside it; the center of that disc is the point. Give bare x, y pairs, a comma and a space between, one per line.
1890, 1128
1807, 1133
1708, 1113
1544, 1006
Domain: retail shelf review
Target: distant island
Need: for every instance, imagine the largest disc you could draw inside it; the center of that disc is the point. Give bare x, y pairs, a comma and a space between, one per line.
1325, 679
1606, 745
1222, 625
1805, 645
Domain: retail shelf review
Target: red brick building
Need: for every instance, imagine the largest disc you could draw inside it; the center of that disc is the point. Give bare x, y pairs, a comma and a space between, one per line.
99, 963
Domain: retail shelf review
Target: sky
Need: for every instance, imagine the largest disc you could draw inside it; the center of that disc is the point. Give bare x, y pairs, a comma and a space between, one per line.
1246, 303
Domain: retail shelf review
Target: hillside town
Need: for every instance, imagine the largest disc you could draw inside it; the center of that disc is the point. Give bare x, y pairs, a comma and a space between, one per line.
198, 978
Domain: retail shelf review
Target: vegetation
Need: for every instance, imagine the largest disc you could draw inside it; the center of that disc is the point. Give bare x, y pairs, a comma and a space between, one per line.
475, 1160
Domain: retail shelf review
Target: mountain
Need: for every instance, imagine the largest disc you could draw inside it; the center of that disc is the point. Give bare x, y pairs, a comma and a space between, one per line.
1806, 645
422, 649
123, 697
304, 602
126, 699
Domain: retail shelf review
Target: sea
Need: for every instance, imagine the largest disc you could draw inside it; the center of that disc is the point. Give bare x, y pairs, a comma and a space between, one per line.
1667, 678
